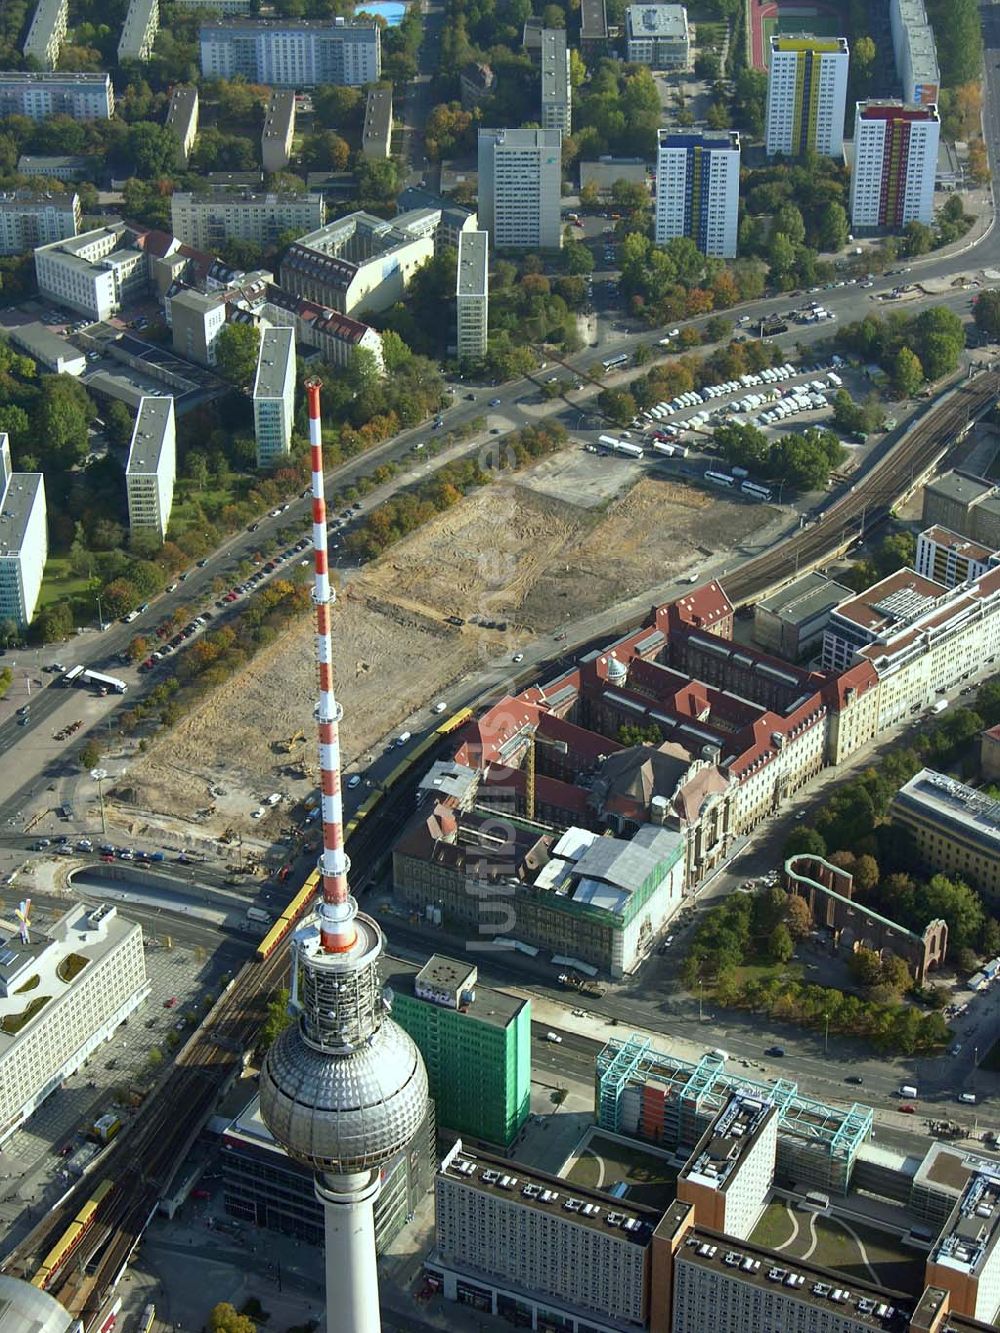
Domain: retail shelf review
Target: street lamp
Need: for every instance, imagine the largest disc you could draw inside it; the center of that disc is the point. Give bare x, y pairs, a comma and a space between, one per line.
99, 774
826, 1033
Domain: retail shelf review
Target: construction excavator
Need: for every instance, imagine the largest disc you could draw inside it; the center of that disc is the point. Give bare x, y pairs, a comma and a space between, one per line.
286, 747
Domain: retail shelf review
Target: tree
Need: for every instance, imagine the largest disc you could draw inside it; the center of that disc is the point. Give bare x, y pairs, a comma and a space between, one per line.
866, 874
55, 622
90, 755
804, 841
866, 967
863, 55
138, 648
780, 945
378, 182
325, 151
61, 419
832, 227
907, 373
896, 976
798, 918
918, 238
986, 311
224, 1318
957, 904
236, 352
119, 423
276, 1019
152, 148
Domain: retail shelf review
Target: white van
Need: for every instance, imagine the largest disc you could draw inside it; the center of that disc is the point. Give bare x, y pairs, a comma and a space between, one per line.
719, 1053
403, 737
907, 1090
969, 1098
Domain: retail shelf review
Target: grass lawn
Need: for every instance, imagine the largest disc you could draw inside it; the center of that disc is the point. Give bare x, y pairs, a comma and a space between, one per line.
774, 1227
59, 581
650, 1178
825, 1241
189, 501
793, 971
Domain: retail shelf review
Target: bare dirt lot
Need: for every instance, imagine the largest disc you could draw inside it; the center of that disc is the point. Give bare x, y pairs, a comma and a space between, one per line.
514, 553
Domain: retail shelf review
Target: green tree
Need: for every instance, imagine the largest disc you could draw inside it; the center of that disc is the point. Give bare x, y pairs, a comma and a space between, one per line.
152, 148
780, 945
907, 373
986, 311
804, 841
617, 404
55, 622
832, 227
90, 755
866, 874
895, 975
863, 54
798, 917
866, 967
957, 904
119, 423
917, 238
61, 418
224, 1318
236, 352
276, 1019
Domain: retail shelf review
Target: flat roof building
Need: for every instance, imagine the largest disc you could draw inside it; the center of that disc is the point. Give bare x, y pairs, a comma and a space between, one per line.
89, 972
142, 23
966, 1259
274, 395
949, 558
23, 540
806, 95
593, 27
289, 53
38, 95
455, 219
964, 504
915, 51
520, 188
182, 119
519, 1243
335, 335
557, 91
358, 263
152, 467
658, 36
376, 134
472, 295
26, 1309
895, 164
28, 219
196, 320
278, 134
791, 622
47, 32
53, 166
96, 273
208, 221
729, 1175
48, 349
878, 614
476, 1044
698, 189
956, 829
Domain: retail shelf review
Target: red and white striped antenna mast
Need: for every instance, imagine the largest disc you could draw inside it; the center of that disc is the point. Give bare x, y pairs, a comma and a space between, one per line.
337, 908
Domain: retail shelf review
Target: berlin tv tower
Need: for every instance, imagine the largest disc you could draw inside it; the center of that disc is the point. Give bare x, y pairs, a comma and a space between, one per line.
344, 1088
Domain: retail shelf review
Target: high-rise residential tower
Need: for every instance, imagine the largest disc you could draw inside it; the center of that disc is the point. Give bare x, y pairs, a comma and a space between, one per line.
520, 185
806, 95
472, 295
895, 162
344, 1088
698, 189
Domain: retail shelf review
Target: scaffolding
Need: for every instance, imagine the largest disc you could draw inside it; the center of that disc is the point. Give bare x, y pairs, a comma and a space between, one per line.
817, 1143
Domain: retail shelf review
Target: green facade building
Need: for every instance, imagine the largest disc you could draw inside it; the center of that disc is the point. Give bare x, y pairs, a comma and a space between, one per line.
476, 1044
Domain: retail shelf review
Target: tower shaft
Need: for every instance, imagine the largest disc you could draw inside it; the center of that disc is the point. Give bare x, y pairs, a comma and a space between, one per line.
349, 1232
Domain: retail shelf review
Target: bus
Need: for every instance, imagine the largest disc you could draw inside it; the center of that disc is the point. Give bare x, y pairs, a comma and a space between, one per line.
720, 478
72, 675
629, 450
756, 492
659, 447
615, 362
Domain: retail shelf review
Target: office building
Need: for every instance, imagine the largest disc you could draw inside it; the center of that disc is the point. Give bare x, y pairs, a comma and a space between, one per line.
915, 51
728, 1177
23, 541
520, 187
955, 829
82, 96
182, 120
966, 1259
95, 273
949, 558
536, 1251
358, 263
698, 188
476, 1044
207, 221
196, 320
292, 53
557, 91
673, 1103
54, 166
152, 467
274, 395
376, 135
142, 23
658, 36
28, 219
964, 504
278, 134
91, 969
895, 161
791, 622
806, 96
593, 28
262, 1185
454, 219
472, 295
47, 32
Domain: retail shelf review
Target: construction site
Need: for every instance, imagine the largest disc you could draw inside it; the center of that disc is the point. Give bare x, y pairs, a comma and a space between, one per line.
514, 561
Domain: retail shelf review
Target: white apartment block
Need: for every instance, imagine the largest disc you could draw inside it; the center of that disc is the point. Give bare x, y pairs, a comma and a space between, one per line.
658, 35
182, 119
82, 96
278, 134
698, 189
292, 54
27, 220
949, 558
520, 188
142, 23
47, 32
207, 221
376, 134
472, 295
95, 273
915, 51
152, 466
357, 263
274, 395
91, 969
557, 91
23, 539
806, 96
522, 1244
895, 162
195, 324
